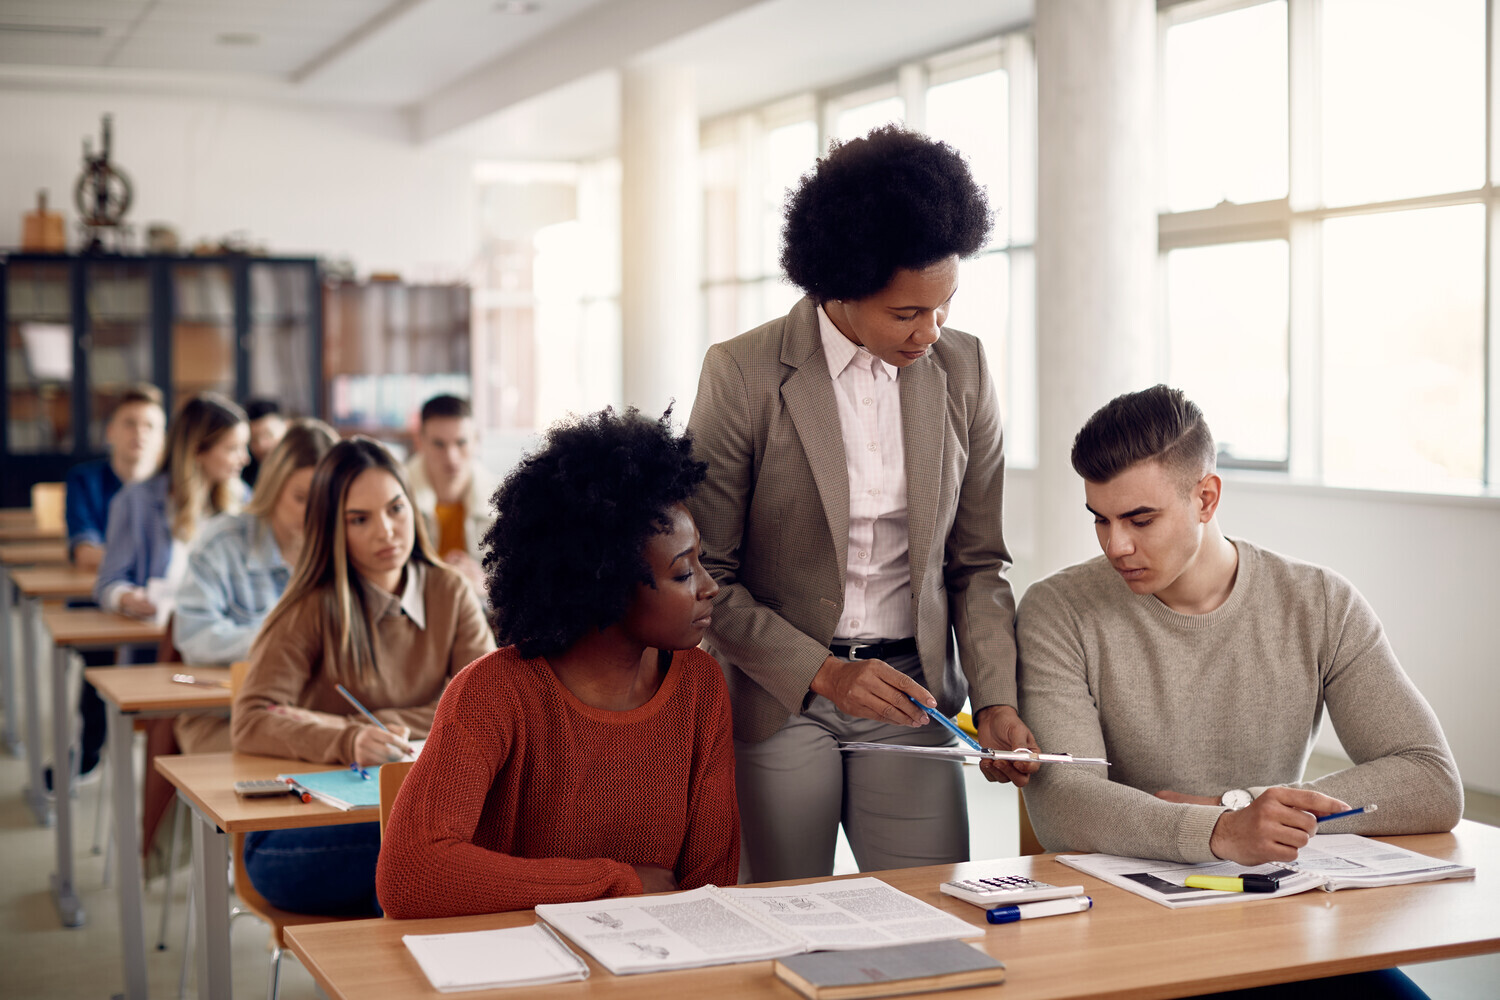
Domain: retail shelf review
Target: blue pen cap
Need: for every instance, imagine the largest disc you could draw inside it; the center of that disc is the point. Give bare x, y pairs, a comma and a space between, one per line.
1003, 914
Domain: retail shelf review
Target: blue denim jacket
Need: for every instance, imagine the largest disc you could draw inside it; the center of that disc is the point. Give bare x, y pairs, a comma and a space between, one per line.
91, 486
235, 575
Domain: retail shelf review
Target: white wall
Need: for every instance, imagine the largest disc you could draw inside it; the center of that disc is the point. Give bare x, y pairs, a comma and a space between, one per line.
1429, 565
300, 181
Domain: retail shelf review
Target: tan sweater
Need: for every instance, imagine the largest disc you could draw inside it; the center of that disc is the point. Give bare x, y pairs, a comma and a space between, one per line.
1200, 704
421, 639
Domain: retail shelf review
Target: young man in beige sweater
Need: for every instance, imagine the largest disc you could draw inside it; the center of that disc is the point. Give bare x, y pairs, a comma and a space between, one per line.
1201, 667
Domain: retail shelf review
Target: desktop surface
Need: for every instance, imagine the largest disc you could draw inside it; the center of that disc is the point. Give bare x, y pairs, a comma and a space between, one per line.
1125, 947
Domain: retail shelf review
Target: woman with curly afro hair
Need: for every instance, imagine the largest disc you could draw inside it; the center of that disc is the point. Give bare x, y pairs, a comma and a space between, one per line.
591, 756
852, 517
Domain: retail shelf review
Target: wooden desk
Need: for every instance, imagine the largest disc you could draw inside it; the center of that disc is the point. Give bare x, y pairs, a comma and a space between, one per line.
18, 530
130, 694
71, 629
1125, 947
17, 554
206, 783
10, 516
32, 587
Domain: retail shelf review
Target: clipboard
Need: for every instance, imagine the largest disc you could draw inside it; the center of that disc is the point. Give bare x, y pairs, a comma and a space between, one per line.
964, 753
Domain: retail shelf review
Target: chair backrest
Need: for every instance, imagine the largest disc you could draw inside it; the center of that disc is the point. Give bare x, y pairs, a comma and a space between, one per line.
48, 501
1029, 843
166, 650
391, 776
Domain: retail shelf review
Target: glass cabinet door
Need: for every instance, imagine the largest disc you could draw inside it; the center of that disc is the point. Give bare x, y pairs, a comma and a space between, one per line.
282, 299
118, 297
203, 338
39, 358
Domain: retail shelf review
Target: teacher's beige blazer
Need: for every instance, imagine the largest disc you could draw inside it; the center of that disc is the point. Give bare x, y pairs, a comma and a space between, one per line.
774, 516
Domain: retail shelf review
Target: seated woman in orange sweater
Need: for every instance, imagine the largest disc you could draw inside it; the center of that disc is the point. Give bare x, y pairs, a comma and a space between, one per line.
371, 607
591, 757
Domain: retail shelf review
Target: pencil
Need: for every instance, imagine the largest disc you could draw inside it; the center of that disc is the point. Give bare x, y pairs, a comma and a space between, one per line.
362, 710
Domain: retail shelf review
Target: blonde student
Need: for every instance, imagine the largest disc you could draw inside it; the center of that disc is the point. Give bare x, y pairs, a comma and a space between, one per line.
369, 606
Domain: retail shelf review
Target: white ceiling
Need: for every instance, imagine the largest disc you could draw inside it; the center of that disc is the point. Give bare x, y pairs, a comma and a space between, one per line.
533, 86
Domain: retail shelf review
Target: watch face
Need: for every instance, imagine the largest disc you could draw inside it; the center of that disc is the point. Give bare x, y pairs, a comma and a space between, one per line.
1237, 798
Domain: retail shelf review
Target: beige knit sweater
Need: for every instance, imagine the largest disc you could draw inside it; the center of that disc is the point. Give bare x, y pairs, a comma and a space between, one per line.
1200, 704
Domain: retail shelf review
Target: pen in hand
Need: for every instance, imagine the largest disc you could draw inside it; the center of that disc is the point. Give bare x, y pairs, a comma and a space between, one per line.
947, 723
366, 713
1348, 812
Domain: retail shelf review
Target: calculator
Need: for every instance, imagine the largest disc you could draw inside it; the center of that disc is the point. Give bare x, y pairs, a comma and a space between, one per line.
1003, 890
261, 787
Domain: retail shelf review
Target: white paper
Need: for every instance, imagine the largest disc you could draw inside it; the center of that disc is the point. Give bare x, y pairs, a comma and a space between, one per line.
965, 753
513, 956
1329, 861
713, 926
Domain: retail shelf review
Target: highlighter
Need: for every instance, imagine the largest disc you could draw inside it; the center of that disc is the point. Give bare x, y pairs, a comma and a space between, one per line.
1242, 883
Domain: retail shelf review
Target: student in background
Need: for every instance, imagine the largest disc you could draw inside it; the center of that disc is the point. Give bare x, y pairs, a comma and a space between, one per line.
450, 487
852, 514
369, 606
266, 427
153, 522
239, 567
134, 438
592, 756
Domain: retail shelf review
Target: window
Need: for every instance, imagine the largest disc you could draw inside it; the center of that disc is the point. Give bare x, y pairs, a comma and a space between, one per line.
979, 99
1324, 234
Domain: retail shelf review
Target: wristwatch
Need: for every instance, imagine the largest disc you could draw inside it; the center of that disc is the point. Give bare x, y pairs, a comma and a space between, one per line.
1236, 799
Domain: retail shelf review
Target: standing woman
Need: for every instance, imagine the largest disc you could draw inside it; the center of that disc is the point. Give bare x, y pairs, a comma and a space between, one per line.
370, 607
852, 517
152, 523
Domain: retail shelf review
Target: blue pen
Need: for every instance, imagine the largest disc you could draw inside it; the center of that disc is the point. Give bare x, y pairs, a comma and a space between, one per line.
948, 723
359, 770
1045, 908
1348, 812
362, 710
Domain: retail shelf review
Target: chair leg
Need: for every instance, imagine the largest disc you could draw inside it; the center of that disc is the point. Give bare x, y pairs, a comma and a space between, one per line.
178, 815
273, 990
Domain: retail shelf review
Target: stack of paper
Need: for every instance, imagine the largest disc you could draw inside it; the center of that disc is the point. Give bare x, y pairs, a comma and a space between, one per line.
514, 956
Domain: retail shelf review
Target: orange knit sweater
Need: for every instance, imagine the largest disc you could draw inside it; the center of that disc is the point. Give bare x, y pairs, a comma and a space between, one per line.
525, 795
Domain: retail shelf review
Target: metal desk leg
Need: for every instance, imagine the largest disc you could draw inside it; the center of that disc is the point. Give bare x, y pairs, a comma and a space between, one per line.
127, 844
211, 901
8, 613
69, 907
31, 626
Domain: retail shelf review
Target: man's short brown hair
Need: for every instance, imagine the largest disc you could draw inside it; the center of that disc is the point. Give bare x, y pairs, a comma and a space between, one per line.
1156, 423
140, 392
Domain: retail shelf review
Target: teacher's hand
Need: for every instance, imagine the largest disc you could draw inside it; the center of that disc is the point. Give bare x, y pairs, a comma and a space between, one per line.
872, 689
1000, 728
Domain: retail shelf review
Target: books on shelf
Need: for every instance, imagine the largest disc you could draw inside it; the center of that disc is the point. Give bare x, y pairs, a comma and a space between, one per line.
890, 971
1330, 861
478, 960
715, 926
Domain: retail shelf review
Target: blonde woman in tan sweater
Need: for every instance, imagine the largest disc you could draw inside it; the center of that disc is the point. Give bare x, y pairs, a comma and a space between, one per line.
370, 607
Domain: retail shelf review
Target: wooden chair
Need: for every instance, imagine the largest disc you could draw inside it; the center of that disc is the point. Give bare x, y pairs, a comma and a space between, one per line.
1029, 843
48, 502
391, 776
253, 902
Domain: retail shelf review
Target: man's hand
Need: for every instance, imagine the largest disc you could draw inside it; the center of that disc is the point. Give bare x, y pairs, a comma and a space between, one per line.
87, 556
872, 689
655, 879
1000, 728
1274, 827
136, 604
374, 746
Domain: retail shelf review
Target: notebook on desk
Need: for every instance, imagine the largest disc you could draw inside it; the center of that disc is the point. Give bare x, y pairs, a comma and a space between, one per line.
344, 789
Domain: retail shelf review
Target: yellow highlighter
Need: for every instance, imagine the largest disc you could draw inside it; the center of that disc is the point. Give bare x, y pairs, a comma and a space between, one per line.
1242, 883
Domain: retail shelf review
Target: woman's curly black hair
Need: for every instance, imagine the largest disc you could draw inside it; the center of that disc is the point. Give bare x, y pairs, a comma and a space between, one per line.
892, 200
571, 524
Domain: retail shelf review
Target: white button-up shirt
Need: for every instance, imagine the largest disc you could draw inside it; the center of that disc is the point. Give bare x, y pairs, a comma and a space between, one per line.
877, 584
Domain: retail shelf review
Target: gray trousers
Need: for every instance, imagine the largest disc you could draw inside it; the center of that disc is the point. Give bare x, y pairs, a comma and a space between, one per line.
898, 810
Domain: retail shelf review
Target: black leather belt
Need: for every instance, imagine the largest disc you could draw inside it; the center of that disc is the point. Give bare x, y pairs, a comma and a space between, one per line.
875, 650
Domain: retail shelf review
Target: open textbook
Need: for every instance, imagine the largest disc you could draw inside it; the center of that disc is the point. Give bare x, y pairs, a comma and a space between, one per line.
964, 753
714, 926
1329, 861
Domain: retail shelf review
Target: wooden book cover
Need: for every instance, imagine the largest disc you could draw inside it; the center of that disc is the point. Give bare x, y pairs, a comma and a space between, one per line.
889, 971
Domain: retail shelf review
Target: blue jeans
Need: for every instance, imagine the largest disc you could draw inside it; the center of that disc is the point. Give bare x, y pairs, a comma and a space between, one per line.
327, 870
1387, 984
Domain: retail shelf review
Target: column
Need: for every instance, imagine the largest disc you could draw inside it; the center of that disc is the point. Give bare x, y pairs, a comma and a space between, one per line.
1096, 239
661, 233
